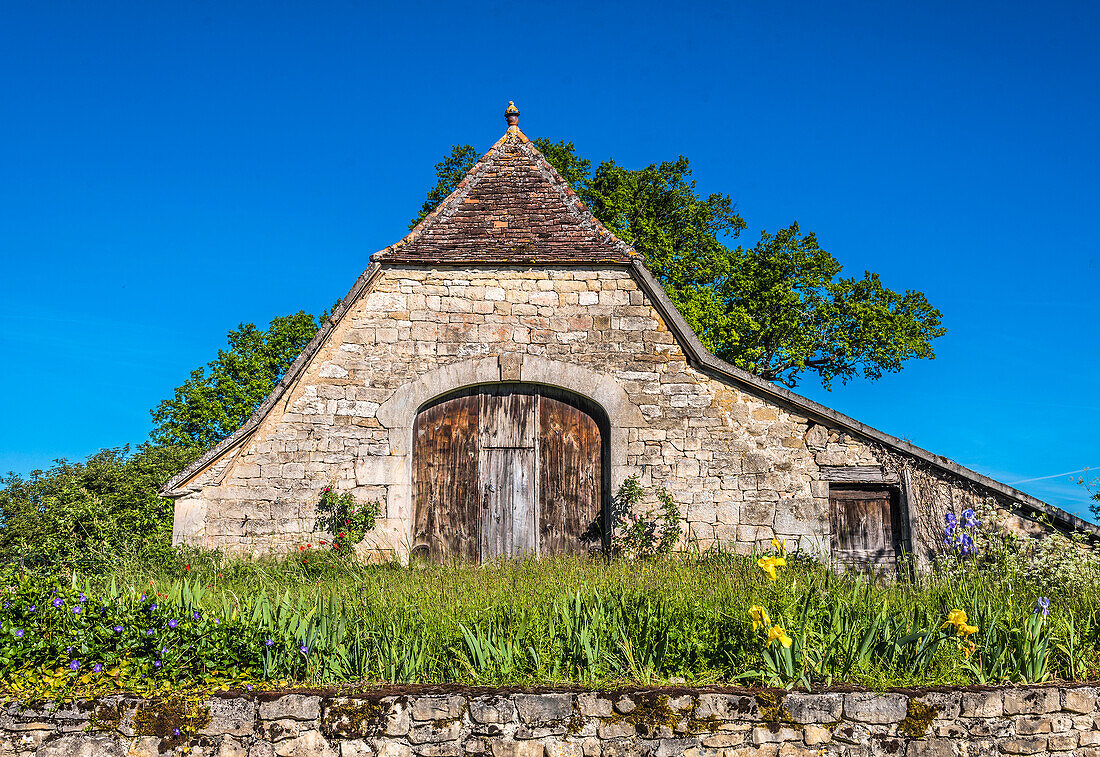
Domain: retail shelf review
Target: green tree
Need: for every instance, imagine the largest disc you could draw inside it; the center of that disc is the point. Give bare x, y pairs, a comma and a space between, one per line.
777, 309
92, 514
220, 396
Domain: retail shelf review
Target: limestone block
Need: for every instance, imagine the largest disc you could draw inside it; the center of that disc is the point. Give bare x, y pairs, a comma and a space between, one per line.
726, 707
293, 707
869, 707
82, 746
1081, 700
1030, 745
492, 710
438, 707
814, 708
984, 704
1031, 701
592, 705
230, 717
309, 744
540, 708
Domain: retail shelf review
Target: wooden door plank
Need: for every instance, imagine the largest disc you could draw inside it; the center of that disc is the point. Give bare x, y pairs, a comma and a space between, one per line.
446, 517
508, 417
570, 477
508, 502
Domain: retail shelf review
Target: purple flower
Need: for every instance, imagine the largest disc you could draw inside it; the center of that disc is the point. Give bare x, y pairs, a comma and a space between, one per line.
57, 602
74, 666
950, 519
269, 643
175, 731
195, 615
97, 668
19, 633
303, 649
1042, 606
76, 609
32, 608
164, 650
150, 632
248, 686
172, 623
142, 598
968, 518
152, 607
83, 598
118, 629
157, 664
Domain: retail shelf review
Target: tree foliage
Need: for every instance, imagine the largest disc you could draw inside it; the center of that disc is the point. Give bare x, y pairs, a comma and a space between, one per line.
778, 309
220, 396
90, 515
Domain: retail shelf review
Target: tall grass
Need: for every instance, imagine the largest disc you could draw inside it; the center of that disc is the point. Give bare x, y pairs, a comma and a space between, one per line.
596, 621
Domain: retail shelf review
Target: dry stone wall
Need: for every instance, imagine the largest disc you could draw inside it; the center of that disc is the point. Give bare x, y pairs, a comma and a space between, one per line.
656, 723
742, 468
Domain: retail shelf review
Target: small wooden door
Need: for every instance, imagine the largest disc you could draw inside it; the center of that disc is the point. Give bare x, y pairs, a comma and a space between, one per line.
865, 525
506, 471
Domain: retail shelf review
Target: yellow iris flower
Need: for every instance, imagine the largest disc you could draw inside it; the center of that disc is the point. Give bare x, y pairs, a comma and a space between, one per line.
759, 617
769, 564
957, 618
776, 633
780, 546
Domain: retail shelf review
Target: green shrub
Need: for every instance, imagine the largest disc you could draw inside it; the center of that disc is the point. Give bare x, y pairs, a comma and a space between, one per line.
91, 515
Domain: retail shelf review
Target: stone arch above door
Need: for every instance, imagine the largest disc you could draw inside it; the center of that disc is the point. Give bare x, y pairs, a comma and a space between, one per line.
398, 413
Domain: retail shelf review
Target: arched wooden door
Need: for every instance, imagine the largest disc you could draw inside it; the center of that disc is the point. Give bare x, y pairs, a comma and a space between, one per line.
505, 471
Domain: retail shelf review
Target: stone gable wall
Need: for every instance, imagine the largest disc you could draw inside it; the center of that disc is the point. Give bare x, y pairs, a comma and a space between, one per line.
742, 469
656, 723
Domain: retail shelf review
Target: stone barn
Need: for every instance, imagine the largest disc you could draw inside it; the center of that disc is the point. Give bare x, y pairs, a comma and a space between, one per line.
495, 376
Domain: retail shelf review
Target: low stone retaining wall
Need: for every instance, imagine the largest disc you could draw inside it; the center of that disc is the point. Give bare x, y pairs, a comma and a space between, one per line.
660, 723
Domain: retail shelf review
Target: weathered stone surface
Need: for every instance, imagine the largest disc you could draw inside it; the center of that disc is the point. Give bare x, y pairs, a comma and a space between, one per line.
508, 748
559, 748
773, 733
982, 704
1035, 701
593, 705
1081, 699
440, 730
437, 707
492, 710
230, 747
875, 708
931, 748
814, 708
726, 707
1030, 745
813, 735
235, 717
539, 708
309, 744
292, 706
82, 746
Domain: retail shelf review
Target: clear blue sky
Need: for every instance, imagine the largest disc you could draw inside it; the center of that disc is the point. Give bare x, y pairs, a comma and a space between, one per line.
168, 170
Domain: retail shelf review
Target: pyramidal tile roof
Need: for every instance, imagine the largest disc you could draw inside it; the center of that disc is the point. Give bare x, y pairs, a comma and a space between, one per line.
513, 207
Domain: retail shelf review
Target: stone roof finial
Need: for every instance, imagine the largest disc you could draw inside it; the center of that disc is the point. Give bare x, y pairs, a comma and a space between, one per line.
511, 114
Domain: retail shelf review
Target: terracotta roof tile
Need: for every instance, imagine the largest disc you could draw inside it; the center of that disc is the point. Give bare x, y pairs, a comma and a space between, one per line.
512, 207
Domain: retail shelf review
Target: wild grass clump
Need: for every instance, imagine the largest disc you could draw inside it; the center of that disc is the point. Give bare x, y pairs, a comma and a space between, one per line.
317, 618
